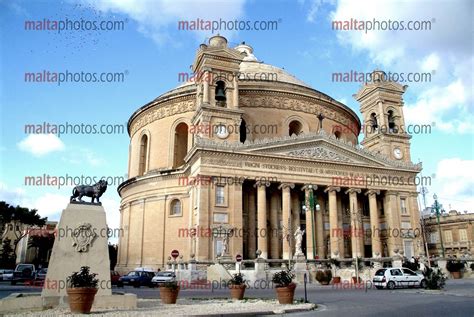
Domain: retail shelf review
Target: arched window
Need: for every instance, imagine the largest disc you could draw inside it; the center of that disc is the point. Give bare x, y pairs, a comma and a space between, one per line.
295, 127
392, 126
143, 155
180, 144
337, 134
175, 207
220, 94
373, 122
243, 131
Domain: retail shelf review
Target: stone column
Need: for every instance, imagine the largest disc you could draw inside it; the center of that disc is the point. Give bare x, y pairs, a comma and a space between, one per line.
252, 236
236, 240
334, 239
414, 210
205, 93
286, 219
262, 235
374, 223
235, 93
356, 225
394, 242
275, 240
309, 223
320, 245
203, 243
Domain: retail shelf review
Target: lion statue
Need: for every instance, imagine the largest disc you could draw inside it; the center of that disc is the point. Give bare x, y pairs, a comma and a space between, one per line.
94, 191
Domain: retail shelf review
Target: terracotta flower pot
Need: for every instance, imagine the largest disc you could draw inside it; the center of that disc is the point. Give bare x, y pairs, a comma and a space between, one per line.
456, 275
286, 294
354, 280
81, 299
169, 295
336, 280
237, 291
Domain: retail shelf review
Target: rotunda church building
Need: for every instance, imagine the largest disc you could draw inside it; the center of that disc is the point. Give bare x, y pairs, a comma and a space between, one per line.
241, 156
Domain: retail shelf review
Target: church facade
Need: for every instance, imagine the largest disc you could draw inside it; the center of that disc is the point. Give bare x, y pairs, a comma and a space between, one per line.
207, 180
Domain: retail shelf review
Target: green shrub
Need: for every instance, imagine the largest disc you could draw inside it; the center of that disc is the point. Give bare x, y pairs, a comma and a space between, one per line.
283, 278
237, 279
82, 279
435, 279
455, 266
324, 276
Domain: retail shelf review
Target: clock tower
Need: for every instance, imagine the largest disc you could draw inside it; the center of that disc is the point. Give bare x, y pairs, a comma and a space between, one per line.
216, 70
381, 105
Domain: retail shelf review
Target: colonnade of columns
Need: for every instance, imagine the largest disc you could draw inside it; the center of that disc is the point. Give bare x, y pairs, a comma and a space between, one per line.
277, 215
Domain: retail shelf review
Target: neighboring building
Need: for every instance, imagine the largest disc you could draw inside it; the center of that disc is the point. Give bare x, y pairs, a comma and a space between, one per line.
25, 253
458, 234
207, 192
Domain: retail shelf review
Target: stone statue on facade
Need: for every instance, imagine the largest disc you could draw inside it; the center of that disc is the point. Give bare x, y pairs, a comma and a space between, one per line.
298, 240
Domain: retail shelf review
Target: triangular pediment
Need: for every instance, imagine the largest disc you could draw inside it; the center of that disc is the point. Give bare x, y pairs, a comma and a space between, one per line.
319, 150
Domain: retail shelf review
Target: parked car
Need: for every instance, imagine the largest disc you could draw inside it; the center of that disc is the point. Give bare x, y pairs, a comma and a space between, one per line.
136, 279
23, 273
392, 277
114, 277
162, 277
6, 275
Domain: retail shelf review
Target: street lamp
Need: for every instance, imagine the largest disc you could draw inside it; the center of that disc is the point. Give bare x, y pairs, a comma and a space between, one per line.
312, 205
437, 209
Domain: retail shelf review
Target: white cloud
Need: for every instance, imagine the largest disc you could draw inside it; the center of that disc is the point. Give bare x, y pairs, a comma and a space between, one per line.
113, 215
41, 144
455, 179
51, 205
445, 51
430, 63
81, 155
15, 196
155, 16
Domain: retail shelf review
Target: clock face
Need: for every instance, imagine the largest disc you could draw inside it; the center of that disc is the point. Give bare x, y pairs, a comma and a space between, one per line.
398, 153
221, 131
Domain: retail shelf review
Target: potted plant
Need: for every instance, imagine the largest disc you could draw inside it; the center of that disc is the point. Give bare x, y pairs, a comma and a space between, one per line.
324, 276
81, 290
455, 267
237, 286
336, 263
169, 292
435, 279
285, 287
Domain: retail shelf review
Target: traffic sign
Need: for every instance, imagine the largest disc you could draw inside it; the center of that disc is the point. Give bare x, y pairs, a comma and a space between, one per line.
238, 258
175, 254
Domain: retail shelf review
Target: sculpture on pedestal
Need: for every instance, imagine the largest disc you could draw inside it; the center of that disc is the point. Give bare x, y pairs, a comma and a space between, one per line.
95, 192
298, 240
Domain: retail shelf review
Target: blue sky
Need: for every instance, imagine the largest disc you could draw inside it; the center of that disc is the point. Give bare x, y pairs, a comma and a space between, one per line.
150, 51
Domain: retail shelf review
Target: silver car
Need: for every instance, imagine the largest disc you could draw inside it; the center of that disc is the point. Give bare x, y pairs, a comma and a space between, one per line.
6, 275
392, 277
163, 277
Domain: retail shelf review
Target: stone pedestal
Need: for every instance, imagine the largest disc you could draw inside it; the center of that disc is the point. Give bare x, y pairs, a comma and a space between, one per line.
300, 268
81, 240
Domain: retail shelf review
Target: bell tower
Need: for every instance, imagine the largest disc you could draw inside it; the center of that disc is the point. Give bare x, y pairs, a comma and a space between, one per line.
216, 69
381, 105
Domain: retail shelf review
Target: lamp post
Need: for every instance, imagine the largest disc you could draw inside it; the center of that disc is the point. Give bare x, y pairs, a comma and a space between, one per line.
312, 205
437, 207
